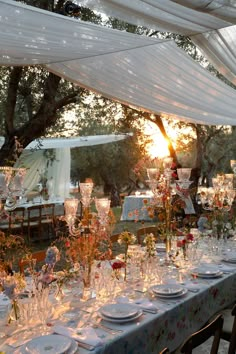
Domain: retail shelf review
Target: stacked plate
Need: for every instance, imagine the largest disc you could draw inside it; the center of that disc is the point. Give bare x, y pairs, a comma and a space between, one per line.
49, 344
207, 271
119, 313
230, 258
168, 291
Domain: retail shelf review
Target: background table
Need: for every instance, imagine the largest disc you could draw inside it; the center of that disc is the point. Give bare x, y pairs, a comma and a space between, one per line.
134, 208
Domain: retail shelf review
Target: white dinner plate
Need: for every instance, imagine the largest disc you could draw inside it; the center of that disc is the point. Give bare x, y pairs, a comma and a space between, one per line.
48, 344
208, 270
118, 311
173, 296
208, 275
167, 289
123, 320
230, 260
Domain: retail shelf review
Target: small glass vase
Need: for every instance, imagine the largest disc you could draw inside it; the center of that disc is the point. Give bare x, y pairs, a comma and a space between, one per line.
87, 282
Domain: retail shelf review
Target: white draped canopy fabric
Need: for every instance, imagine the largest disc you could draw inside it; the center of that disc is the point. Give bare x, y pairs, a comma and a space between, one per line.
78, 141
220, 49
187, 17
150, 74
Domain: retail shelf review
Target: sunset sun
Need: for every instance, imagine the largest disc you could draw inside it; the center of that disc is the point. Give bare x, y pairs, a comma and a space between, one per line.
158, 147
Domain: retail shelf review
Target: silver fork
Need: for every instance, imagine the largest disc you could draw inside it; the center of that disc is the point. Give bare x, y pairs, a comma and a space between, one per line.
107, 329
85, 345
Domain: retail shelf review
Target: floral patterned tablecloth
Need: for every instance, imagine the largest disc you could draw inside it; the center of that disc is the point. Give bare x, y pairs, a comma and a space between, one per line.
174, 321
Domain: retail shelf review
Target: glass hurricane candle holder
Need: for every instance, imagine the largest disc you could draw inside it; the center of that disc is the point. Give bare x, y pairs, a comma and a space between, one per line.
167, 162
103, 207
86, 191
184, 173
152, 173
71, 207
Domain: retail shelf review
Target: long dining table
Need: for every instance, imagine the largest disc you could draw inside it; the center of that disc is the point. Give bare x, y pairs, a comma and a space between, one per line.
172, 321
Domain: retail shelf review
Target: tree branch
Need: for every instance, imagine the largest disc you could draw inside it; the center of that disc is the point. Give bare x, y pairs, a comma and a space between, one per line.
72, 98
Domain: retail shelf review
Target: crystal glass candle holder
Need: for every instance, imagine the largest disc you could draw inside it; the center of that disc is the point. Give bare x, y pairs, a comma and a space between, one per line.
152, 173
103, 207
184, 173
86, 191
167, 162
71, 206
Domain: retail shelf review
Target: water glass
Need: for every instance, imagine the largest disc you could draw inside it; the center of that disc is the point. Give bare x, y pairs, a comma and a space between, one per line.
4, 316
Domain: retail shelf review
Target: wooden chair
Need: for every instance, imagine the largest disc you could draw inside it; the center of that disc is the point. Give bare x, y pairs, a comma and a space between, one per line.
229, 328
143, 231
37, 256
116, 247
214, 328
48, 219
33, 222
114, 238
15, 221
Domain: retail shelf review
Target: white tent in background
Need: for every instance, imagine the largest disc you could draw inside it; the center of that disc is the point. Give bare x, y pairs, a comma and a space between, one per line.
37, 163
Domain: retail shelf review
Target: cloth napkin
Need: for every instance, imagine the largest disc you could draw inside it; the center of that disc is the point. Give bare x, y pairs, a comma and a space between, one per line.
84, 335
142, 303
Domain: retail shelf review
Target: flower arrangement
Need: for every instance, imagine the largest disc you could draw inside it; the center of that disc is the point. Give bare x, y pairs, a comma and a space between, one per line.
90, 242
11, 247
126, 238
117, 265
45, 276
52, 256
183, 243
150, 243
13, 284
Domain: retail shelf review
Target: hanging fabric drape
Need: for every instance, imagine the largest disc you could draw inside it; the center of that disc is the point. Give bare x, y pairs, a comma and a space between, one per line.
213, 19
150, 74
59, 172
185, 17
220, 49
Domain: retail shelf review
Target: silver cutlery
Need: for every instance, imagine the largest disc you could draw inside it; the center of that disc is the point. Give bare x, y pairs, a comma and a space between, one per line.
85, 345
107, 329
149, 310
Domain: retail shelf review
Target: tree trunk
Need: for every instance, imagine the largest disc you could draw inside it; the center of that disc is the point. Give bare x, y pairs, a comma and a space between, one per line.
17, 139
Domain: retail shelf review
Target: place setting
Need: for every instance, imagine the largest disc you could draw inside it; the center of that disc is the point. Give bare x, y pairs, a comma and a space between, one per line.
207, 271
120, 313
168, 291
49, 344
230, 257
